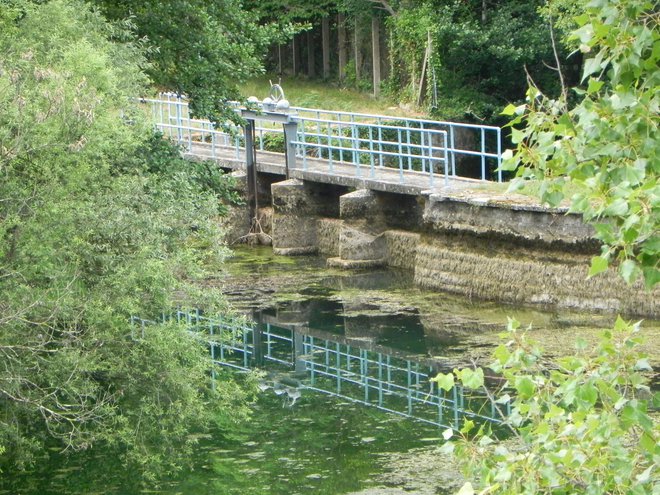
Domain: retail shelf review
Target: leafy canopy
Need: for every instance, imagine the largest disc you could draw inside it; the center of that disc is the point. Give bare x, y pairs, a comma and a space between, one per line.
579, 424
201, 48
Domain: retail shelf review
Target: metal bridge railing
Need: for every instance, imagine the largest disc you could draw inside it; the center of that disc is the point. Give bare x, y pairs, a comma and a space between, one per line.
373, 146
371, 378
364, 140
480, 141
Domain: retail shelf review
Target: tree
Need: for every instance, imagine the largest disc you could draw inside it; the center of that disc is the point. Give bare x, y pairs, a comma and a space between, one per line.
581, 424
603, 151
200, 48
578, 424
96, 225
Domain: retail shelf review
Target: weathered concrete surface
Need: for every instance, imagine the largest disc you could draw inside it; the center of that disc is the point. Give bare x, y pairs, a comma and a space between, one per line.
327, 235
479, 245
361, 242
487, 268
297, 206
401, 248
294, 218
507, 221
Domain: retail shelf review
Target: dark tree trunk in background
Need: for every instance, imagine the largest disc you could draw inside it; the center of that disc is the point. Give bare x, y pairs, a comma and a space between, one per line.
325, 37
341, 37
310, 54
375, 47
296, 54
356, 52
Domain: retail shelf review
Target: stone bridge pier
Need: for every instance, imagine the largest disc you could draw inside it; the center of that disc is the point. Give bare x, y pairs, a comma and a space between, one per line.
298, 207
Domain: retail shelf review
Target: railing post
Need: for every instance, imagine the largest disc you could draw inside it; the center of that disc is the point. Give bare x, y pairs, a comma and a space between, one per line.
298, 349
179, 123
499, 155
446, 161
453, 148
483, 154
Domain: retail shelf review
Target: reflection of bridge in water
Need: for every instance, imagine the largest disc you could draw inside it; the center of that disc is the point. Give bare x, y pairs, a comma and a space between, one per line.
347, 368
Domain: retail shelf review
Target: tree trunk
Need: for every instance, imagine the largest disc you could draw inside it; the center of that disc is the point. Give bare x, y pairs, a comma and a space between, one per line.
295, 41
310, 54
375, 47
356, 51
325, 35
341, 36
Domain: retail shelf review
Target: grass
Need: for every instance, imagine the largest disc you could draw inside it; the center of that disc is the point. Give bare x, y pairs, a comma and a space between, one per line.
326, 95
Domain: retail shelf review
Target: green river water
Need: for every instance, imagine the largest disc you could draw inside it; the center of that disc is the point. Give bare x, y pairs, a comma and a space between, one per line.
321, 444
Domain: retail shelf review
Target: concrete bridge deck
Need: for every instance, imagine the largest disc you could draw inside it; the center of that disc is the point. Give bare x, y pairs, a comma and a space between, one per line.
470, 191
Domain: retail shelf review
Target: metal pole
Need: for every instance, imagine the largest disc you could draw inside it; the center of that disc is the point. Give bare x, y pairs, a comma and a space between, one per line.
290, 133
250, 169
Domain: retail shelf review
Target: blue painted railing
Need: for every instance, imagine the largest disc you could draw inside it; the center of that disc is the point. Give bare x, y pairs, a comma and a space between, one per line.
368, 142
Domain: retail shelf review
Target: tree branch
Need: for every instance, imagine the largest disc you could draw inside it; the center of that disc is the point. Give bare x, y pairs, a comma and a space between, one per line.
386, 6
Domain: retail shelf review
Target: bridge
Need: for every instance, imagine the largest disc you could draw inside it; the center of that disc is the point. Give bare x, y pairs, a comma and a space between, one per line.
420, 195
353, 149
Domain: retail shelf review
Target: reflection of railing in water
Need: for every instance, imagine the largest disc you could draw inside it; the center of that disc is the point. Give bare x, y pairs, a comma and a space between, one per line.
393, 384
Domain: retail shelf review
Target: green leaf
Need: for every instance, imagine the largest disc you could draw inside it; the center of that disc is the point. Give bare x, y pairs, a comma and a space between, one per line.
649, 444
525, 387
618, 208
592, 65
645, 476
598, 265
651, 276
471, 378
643, 365
594, 86
588, 393
444, 381
466, 489
468, 426
509, 110
629, 271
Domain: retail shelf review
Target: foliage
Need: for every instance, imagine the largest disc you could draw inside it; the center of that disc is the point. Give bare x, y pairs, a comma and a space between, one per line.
200, 48
160, 158
409, 33
93, 229
479, 57
607, 145
580, 424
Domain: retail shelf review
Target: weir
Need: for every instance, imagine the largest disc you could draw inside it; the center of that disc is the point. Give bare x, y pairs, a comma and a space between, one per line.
366, 191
